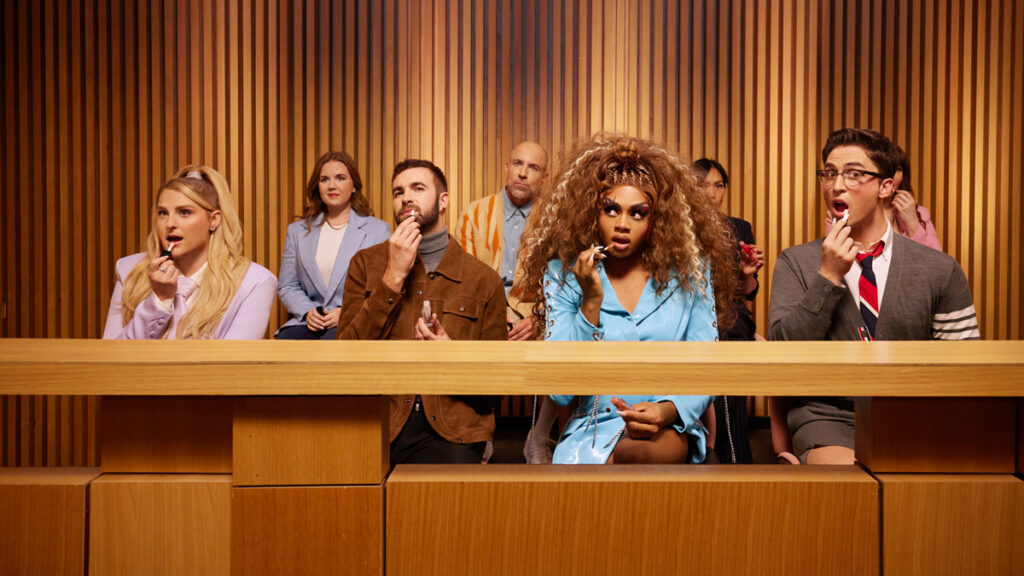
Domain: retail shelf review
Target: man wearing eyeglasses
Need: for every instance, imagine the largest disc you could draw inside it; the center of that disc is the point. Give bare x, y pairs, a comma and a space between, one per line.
860, 282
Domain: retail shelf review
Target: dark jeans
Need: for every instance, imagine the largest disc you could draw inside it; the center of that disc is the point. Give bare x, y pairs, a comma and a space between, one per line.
302, 332
418, 443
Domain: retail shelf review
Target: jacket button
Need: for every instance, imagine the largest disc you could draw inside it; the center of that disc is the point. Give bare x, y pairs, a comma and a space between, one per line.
408, 400
607, 409
433, 418
460, 440
432, 274
419, 292
462, 308
391, 300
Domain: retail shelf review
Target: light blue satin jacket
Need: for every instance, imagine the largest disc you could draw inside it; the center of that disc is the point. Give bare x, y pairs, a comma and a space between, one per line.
673, 315
300, 285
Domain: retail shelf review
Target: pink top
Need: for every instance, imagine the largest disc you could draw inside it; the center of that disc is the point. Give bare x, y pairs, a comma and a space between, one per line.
925, 233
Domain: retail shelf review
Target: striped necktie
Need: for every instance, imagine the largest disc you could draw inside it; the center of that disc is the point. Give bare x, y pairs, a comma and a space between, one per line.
869, 288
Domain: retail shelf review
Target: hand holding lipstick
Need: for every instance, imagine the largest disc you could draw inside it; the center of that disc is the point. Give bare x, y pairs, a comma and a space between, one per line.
402, 250
319, 319
163, 274
838, 251
751, 259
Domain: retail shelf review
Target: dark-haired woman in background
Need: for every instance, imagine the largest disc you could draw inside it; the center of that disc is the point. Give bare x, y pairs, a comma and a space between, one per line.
337, 222
732, 441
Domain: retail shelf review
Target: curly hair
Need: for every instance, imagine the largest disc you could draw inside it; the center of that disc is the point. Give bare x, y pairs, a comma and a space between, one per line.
686, 235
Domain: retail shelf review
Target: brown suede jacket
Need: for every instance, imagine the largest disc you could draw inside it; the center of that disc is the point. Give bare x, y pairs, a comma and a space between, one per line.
469, 300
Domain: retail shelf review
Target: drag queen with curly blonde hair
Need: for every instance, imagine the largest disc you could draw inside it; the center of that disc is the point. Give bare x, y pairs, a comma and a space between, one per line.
626, 247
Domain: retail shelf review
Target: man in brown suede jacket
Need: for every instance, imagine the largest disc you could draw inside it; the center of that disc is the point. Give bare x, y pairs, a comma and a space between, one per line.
384, 300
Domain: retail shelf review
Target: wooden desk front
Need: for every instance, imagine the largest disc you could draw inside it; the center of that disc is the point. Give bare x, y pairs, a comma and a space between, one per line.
252, 381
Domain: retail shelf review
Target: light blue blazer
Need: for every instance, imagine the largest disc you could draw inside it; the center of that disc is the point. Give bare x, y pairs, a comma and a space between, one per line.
300, 285
673, 315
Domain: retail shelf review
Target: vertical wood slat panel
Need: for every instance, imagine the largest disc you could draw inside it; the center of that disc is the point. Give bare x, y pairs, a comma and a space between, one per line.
129, 91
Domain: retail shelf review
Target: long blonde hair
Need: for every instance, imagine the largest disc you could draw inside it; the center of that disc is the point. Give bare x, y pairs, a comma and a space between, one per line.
226, 266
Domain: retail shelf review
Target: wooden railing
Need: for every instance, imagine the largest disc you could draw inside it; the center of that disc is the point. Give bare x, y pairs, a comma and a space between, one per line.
203, 438
237, 368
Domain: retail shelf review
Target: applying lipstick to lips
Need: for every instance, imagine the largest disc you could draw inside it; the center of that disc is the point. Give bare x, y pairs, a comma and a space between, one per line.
625, 250
177, 288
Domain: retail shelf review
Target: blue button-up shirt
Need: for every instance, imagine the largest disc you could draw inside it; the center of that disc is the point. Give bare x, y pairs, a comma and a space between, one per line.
515, 222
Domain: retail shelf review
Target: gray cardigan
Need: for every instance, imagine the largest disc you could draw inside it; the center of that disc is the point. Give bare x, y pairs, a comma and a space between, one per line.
926, 297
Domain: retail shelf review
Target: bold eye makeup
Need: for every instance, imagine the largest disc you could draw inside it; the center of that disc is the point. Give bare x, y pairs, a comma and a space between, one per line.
610, 207
637, 212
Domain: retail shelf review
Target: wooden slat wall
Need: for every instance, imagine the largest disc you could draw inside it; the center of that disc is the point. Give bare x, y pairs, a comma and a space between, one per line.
103, 99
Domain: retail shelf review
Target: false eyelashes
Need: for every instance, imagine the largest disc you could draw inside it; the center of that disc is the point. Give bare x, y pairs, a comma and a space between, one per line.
637, 212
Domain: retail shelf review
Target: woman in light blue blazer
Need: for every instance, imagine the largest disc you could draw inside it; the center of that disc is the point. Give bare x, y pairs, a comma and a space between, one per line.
337, 222
627, 248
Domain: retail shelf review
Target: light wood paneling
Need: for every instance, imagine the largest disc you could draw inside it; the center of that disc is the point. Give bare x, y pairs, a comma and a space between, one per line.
952, 524
160, 524
307, 530
507, 519
166, 435
44, 515
938, 435
227, 368
310, 440
101, 101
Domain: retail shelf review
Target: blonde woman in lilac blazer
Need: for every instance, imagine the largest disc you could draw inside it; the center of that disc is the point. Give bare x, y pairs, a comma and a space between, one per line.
192, 281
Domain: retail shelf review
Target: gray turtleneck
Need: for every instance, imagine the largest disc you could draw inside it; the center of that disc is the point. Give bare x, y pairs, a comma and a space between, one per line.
432, 249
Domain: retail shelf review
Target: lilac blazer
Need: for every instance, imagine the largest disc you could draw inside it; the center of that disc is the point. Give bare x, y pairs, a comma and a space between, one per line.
245, 319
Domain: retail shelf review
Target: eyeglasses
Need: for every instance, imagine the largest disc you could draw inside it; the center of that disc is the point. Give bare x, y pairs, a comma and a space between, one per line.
853, 178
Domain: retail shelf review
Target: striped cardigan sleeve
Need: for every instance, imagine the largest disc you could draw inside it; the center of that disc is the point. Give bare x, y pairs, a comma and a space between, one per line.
955, 317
